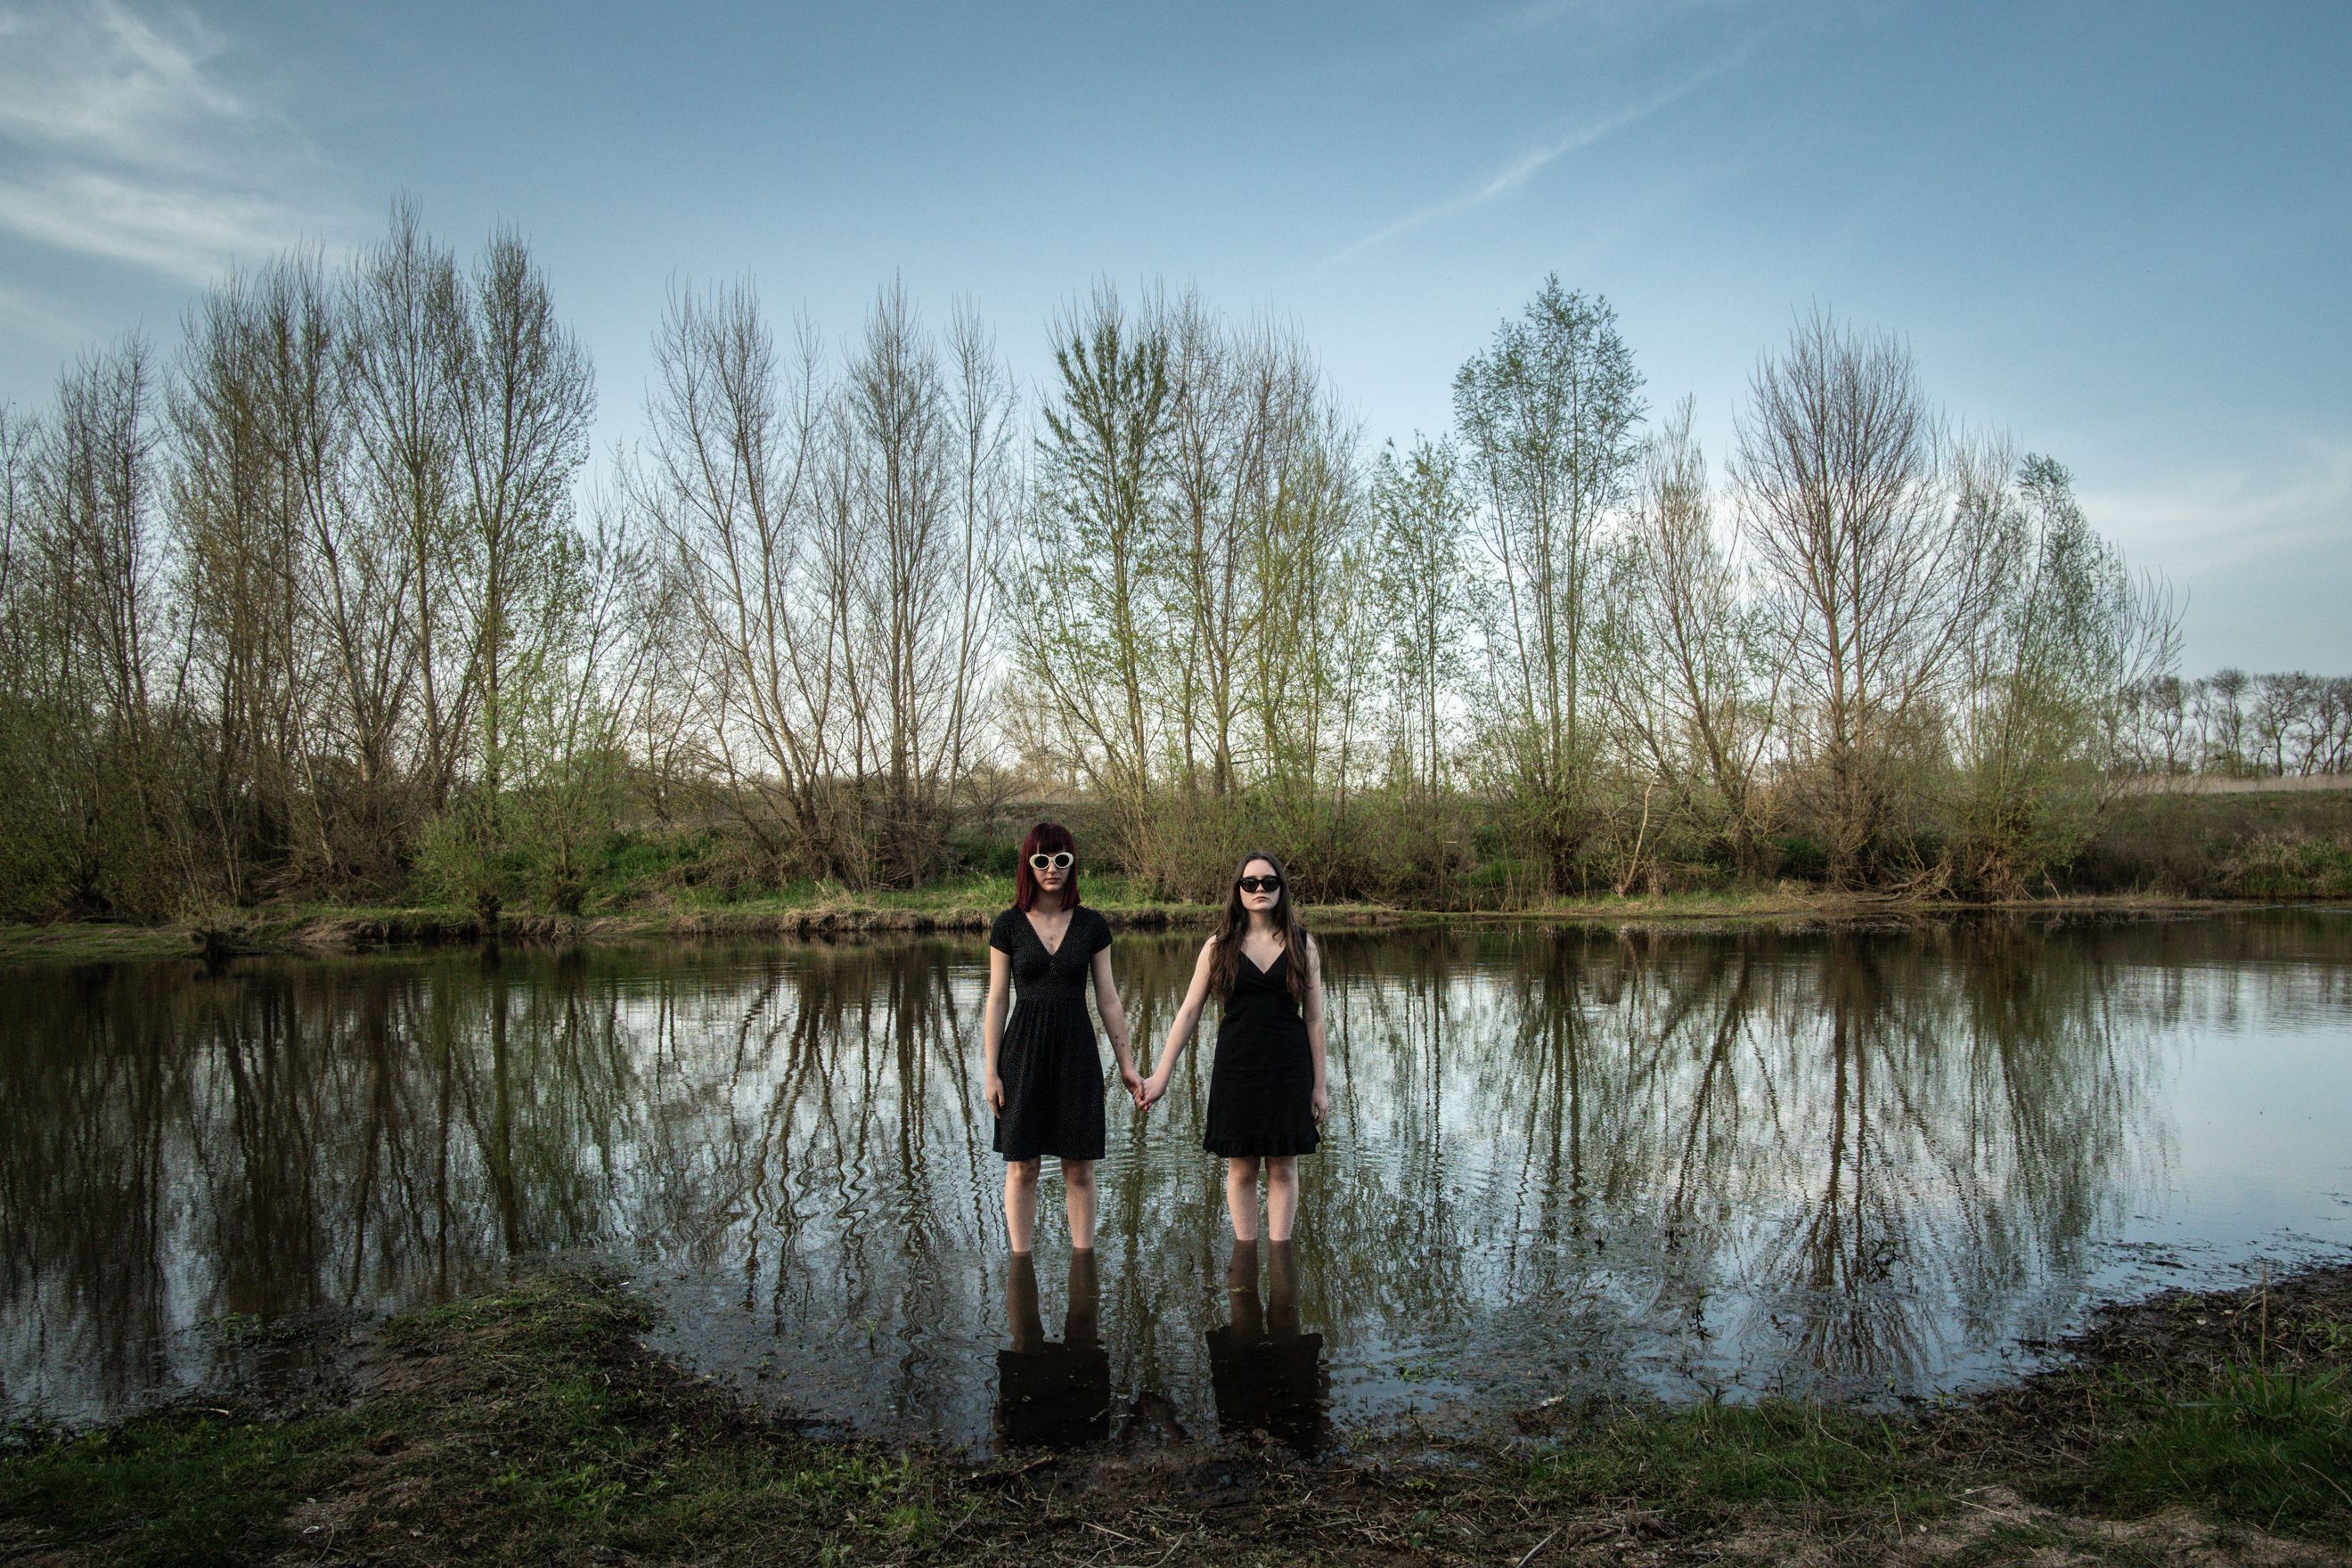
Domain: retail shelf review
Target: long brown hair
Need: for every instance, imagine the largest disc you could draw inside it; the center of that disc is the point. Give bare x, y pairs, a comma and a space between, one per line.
1045, 838
1225, 964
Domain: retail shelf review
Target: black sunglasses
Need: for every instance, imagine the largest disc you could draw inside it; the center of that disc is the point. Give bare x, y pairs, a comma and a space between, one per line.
1060, 861
1260, 884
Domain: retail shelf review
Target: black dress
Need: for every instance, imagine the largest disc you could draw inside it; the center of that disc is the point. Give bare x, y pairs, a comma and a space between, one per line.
1261, 1088
1052, 1069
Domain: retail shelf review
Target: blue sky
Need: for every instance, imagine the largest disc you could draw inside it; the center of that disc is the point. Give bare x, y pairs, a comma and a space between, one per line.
2121, 232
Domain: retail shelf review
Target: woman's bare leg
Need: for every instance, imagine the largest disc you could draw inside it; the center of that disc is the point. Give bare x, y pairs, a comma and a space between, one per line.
1078, 1201
1020, 1204
1241, 1195
1281, 1196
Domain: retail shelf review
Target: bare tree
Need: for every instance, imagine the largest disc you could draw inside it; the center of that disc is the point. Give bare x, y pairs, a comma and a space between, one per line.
924, 509
1696, 672
406, 317
523, 393
239, 587
1876, 543
731, 480
987, 494
94, 570
2037, 726
1420, 510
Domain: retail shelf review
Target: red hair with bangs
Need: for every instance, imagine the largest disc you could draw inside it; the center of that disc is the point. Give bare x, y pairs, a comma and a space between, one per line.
1045, 838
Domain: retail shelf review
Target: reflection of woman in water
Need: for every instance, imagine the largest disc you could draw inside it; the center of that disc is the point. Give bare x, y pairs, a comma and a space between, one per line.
1053, 1396
1269, 1377
1267, 1089
1044, 1074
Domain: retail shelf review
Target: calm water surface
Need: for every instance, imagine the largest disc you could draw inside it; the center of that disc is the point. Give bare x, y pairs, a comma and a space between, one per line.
1560, 1162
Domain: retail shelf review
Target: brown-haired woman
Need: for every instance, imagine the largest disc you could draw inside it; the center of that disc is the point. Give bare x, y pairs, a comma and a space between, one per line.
1043, 1073
1266, 1089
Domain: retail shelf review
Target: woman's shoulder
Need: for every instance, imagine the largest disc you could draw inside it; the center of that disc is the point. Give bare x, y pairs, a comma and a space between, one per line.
1002, 931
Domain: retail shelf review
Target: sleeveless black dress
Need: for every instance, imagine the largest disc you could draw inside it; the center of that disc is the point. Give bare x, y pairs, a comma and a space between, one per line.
1050, 1067
1262, 1088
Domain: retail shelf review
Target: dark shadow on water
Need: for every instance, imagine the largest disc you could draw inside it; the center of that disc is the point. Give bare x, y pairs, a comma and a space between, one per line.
1049, 1394
1267, 1373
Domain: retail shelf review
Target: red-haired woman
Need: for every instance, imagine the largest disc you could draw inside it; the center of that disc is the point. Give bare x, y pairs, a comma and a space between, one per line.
1267, 1091
1044, 1073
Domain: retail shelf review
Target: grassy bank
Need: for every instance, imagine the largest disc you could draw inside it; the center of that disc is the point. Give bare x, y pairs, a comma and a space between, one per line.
2250, 844
2153, 852
531, 1426
961, 907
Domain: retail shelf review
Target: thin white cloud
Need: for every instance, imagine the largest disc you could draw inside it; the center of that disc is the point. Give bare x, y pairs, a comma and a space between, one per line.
123, 138
187, 232
1614, 14
2260, 554
2184, 524
25, 316
1515, 173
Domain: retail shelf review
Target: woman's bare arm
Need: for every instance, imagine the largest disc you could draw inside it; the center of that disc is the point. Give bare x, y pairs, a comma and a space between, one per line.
992, 1025
1187, 1016
1114, 1017
1322, 1098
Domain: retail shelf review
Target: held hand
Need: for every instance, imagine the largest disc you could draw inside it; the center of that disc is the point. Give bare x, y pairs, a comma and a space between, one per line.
1155, 1088
1320, 1102
1132, 1081
995, 1092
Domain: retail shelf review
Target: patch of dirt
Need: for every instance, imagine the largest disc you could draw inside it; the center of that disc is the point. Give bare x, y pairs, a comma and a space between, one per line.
27, 1546
1992, 1523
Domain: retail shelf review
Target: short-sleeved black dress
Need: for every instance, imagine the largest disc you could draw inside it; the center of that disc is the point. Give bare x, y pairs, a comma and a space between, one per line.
1050, 1067
1262, 1087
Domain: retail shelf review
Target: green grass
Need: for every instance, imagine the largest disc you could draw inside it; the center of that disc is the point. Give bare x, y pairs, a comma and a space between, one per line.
1715, 1457
180, 1488
2268, 1447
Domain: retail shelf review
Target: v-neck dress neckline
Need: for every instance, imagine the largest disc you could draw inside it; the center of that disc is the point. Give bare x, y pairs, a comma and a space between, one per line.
1054, 950
1279, 954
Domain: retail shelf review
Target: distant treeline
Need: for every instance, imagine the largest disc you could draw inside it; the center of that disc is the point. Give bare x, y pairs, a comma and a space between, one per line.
2243, 726
327, 607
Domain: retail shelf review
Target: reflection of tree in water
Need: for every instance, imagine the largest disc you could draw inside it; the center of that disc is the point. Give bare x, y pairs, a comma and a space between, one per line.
1829, 1146
285, 1138
1979, 1123
290, 1136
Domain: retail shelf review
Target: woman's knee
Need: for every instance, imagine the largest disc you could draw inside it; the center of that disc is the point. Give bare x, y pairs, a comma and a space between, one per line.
1021, 1173
1242, 1168
1078, 1174
1282, 1168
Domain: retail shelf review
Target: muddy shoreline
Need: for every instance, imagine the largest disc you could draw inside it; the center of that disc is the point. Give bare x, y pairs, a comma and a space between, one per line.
531, 1424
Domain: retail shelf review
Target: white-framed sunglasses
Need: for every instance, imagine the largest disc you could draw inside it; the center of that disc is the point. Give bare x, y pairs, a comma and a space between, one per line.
1060, 860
